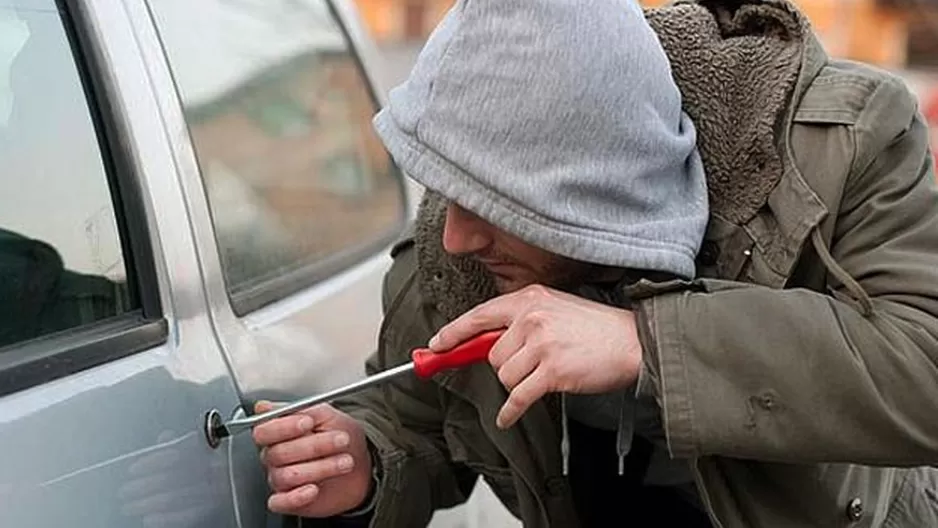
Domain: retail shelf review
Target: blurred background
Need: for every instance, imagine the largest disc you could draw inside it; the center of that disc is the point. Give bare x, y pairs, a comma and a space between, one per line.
897, 35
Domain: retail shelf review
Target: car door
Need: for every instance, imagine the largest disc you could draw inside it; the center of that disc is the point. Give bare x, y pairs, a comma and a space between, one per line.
293, 199
107, 354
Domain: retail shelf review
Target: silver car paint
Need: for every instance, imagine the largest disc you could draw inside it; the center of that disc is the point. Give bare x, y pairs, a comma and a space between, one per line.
120, 445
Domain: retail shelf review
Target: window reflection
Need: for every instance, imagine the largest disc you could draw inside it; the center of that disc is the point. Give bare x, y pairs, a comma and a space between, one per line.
280, 118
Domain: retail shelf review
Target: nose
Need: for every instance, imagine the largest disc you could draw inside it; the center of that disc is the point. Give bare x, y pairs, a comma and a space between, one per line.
464, 232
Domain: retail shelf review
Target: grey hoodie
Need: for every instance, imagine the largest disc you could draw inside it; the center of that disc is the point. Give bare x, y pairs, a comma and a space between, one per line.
558, 121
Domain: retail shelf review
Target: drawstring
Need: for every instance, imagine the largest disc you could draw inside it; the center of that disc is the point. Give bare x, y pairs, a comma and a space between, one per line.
626, 429
857, 291
624, 432
565, 435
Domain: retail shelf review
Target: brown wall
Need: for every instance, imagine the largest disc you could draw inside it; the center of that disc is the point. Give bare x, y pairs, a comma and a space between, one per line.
861, 30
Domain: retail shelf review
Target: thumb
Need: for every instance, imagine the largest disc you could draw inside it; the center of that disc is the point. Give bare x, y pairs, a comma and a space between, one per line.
263, 406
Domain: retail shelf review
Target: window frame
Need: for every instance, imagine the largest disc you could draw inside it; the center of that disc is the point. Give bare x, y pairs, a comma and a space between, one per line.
275, 287
54, 356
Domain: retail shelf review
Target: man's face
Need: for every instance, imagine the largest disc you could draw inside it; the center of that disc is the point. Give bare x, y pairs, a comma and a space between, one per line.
512, 262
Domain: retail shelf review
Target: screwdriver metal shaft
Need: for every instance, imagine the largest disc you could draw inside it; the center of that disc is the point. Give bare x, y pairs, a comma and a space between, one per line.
235, 426
425, 365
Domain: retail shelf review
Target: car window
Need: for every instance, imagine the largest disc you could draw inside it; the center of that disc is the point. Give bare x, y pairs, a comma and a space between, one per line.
279, 114
61, 260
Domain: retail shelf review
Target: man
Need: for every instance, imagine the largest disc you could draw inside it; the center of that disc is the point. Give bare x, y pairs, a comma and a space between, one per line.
791, 383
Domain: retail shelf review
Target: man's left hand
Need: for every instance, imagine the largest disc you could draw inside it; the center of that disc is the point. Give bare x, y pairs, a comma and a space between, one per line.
554, 342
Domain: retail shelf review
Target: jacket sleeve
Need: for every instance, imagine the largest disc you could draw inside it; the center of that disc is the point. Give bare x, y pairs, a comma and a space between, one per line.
798, 376
416, 475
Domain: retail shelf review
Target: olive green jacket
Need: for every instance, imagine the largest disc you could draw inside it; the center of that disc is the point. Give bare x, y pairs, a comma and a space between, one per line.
798, 374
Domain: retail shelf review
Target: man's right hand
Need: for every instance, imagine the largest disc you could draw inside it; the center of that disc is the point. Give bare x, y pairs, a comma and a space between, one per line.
317, 461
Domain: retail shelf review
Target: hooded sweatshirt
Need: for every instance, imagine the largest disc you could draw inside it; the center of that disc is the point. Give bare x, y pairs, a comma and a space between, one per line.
559, 122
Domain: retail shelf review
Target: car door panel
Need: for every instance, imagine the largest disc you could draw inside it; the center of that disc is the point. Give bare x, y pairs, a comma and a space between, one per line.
106, 434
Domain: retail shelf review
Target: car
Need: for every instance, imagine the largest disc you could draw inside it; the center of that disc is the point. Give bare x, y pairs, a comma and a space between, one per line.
195, 214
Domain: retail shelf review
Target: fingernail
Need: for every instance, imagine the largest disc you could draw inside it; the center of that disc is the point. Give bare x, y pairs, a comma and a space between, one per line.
434, 341
345, 463
342, 440
305, 424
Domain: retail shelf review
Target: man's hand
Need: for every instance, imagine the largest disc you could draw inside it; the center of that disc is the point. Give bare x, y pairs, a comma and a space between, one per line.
317, 461
554, 342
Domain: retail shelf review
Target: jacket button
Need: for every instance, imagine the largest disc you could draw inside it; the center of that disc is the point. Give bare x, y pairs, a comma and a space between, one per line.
855, 509
709, 253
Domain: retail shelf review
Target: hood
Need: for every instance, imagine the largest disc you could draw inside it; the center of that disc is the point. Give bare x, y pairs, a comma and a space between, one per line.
557, 121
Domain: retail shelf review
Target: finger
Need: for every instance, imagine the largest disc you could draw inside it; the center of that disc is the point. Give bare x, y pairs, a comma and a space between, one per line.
263, 406
490, 315
283, 429
518, 367
291, 477
509, 344
521, 398
293, 426
306, 448
293, 501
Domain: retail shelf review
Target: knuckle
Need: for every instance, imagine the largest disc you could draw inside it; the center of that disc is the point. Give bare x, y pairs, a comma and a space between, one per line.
259, 435
322, 412
536, 318
276, 479
518, 401
282, 454
505, 377
552, 371
274, 455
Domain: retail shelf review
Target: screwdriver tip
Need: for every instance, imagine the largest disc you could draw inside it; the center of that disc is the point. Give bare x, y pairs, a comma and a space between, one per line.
221, 431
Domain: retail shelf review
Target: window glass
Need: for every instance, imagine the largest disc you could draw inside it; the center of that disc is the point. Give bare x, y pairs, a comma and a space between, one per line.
61, 263
280, 118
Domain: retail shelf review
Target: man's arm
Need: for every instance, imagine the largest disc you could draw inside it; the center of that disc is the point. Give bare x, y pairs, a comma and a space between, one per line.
798, 376
417, 476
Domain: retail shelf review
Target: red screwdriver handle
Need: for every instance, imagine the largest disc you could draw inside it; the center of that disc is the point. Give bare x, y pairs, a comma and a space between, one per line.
476, 350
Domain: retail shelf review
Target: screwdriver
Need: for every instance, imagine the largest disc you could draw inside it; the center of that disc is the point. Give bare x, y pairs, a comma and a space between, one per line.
425, 364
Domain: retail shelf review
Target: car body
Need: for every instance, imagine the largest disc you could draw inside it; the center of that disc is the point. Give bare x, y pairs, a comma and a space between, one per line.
195, 214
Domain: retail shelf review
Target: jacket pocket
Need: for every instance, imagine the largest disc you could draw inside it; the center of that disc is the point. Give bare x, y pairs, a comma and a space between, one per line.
469, 445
